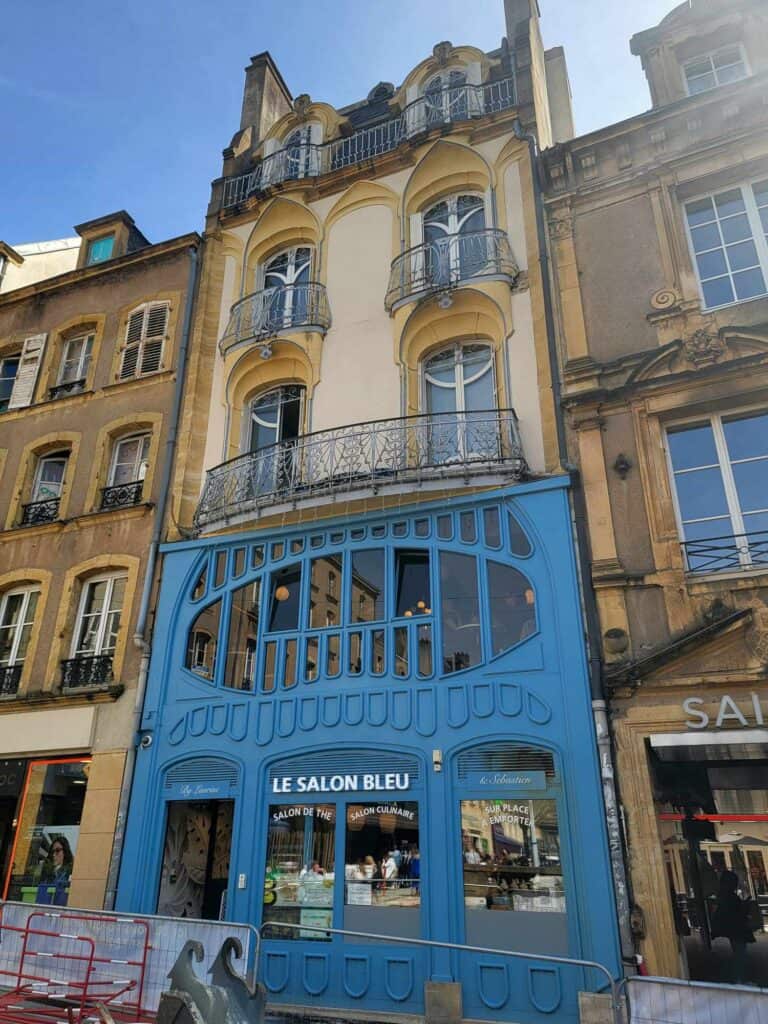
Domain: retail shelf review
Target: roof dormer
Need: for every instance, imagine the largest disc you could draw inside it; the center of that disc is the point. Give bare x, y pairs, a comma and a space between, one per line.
108, 237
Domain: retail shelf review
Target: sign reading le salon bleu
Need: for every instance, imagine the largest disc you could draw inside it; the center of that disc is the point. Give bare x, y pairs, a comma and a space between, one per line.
341, 783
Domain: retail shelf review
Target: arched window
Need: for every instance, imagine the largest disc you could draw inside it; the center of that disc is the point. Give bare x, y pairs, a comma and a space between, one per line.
129, 463
275, 423
286, 288
445, 97
298, 153
47, 485
460, 394
17, 616
454, 247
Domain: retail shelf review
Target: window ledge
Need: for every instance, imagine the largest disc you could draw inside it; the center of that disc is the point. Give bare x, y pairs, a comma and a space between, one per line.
150, 378
106, 694
124, 511
725, 574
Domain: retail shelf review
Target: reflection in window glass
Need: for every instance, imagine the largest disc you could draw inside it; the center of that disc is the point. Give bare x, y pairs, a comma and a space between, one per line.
270, 659
355, 666
199, 588
377, 651
513, 606
311, 660
285, 598
289, 677
468, 527
241, 642
424, 636
445, 527
401, 651
325, 575
460, 609
299, 875
239, 562
195, 872
332, 660
202, 639
382, 864
511, 854
368, 577
220, 568
492, 527
48, 831
518, 541
412, 583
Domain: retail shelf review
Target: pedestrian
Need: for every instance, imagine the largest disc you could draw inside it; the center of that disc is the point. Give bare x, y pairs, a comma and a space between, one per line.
730, 921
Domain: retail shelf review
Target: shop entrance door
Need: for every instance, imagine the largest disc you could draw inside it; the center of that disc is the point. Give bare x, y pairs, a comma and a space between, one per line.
195, 874
713, 824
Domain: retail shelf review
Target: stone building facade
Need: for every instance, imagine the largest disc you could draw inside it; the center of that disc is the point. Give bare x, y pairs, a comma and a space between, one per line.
658, 230
90, 342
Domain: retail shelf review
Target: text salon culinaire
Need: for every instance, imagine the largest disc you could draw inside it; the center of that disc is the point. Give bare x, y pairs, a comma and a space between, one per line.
341, 783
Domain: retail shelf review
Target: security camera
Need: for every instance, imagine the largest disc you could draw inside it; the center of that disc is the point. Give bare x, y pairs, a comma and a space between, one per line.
146, 741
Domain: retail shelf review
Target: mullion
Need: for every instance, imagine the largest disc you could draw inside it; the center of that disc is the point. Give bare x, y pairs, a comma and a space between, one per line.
729, 485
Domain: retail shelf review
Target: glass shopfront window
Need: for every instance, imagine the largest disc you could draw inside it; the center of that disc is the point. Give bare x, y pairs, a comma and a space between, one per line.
512, 864
45, 846
300, 873
195, 873
382, 862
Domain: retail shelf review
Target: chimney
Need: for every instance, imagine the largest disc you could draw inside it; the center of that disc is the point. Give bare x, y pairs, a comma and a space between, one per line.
266, 97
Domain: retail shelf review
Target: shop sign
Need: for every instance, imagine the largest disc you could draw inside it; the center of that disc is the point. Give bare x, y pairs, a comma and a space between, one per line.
508, 780
729, 714
355, 783
201, 790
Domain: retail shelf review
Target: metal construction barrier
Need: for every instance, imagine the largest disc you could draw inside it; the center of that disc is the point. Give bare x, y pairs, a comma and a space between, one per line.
106, 947
674, 1001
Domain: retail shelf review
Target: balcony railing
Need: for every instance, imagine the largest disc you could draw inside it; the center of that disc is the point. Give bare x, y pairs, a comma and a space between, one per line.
94, 670
410, 449
267, 313
435, 110
121, 495
37, 512
10, 677
718, 554
442, 264
70, 387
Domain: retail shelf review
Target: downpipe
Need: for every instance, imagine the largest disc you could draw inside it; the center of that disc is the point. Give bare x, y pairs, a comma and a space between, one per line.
142, 633
586, 595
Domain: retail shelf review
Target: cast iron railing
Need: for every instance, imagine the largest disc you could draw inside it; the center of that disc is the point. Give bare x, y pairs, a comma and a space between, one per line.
437, 108
37, 512
69, 387
10, 676
121, 495
444, 263
266, 313
409, 449
717, 554
93, 670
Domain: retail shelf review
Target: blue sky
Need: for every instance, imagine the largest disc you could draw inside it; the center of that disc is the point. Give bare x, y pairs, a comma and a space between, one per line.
110, 105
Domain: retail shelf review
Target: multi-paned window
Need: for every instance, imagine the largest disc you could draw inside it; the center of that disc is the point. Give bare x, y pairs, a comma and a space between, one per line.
9, 367
455, 246
49, 477
98, 619
144, 340
712, 69
100, 249
17, 616
719, 467
130, 460
75, 360
729, 238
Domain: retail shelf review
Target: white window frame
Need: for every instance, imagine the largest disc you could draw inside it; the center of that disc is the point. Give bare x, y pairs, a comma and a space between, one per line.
87, 350
456, 387
146, 438
758, 236
454, 226
27, 592
710, 55
58, 456
91, 581
715, 420
290, 279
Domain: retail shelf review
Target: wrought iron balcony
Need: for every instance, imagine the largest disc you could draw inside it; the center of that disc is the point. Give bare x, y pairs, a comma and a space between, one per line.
94, 670
37, 512
447, 262
437, 109
272, 311
10, 676
69, 387
121, 495
739, 552
410, 450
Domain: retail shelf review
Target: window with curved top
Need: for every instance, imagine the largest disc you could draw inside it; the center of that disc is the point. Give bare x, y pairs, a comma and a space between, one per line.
286, 288
460, 396
47, 487
454, 243
73, 369
202, 641
445, 97
512, 604
17, 616
297, 151
275, 424
128, 468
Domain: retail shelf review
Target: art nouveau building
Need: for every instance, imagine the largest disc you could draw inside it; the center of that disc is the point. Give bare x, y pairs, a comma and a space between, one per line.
91, 335
369, 705
658, 228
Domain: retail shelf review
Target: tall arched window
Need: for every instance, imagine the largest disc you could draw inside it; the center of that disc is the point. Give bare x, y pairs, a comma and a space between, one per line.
454, 250
460, 394
298, 150
445, 97
286, 280
275, 423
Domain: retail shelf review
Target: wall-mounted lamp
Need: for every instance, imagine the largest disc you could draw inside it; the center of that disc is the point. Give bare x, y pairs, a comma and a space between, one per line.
282, 593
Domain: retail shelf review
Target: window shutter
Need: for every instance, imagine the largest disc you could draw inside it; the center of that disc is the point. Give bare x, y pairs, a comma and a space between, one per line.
29, 367
152, 350
135, 327
132, 342
150, 357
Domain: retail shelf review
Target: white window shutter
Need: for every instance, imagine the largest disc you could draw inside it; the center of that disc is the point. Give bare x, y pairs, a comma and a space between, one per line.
135, 326
130, 362
157, 321
29, 367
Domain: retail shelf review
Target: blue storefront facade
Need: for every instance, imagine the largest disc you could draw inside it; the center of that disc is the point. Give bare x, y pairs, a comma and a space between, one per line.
382, 724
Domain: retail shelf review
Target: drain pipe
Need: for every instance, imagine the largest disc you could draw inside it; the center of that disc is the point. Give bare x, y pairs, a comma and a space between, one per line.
142, 632
583, 562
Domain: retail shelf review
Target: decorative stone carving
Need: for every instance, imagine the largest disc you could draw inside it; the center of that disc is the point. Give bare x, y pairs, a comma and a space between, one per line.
301, 106
442, 53
622, 465
702, 348
665, 298
562, 227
